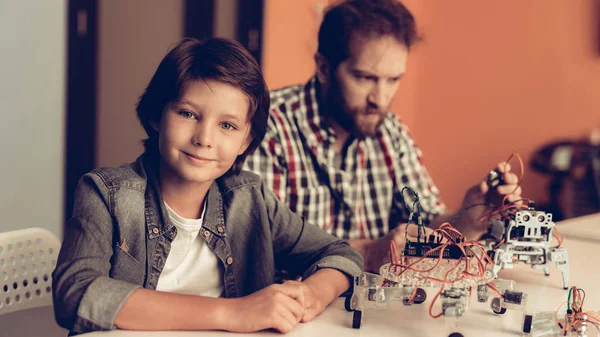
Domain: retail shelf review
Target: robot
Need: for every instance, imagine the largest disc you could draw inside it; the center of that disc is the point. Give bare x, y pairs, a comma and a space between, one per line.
445, 260
526, 237
372, 291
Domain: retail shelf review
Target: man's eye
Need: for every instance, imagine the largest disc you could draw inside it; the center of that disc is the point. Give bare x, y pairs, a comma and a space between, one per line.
365, 78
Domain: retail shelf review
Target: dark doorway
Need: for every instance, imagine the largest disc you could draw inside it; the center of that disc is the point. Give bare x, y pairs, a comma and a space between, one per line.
81, 95
250, 26
200, 21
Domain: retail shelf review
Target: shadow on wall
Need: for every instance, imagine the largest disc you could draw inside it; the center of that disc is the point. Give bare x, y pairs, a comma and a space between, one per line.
574, 168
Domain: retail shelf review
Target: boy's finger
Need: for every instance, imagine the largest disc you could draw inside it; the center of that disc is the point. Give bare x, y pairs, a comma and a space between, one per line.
293, 289
309, 315
297, 309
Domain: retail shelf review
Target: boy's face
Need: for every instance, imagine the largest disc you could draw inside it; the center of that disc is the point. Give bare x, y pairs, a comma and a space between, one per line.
201, 136
362, 87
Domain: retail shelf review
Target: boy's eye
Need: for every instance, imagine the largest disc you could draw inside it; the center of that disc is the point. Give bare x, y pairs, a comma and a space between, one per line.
186, 114
228, 126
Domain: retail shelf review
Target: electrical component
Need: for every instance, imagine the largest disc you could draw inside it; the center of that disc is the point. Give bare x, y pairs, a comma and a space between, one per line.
417, 249
527, 238
541, 324
575, 323
443, 259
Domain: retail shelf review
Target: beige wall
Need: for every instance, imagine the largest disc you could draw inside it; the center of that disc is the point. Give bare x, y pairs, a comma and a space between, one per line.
134, 36
488, 79
225, 19
32, 104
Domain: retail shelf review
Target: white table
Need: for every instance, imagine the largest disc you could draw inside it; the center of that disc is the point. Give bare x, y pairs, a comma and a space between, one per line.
544, 294
585, 228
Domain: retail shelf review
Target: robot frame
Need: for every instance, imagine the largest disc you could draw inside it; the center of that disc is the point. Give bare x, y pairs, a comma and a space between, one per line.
445, 259
526, 237
442, 260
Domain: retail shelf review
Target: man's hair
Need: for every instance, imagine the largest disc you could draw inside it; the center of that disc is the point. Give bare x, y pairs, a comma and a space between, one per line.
214, 59
369, 18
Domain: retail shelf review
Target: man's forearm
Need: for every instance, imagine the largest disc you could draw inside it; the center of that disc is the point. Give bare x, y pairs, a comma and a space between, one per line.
361, 245
364, 247
155, 310
462, 222
375, 252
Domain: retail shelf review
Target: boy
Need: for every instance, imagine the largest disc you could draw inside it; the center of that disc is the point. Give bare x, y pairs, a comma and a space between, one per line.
182, 239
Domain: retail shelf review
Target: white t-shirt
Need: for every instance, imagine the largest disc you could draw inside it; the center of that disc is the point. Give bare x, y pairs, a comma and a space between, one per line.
191, 267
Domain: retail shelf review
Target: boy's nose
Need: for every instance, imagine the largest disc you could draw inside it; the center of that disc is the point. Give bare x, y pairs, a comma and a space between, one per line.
203, 136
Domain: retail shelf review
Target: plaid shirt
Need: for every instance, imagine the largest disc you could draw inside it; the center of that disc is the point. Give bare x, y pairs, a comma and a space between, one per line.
362, 199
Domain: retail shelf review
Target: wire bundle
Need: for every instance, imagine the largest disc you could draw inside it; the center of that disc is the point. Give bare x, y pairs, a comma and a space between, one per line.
473, 259
576, 317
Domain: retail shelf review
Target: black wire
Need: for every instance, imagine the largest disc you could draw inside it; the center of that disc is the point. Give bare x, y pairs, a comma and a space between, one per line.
412, 214
404, 199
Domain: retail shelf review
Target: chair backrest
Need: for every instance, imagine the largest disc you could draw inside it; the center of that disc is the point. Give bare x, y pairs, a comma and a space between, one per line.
27, 259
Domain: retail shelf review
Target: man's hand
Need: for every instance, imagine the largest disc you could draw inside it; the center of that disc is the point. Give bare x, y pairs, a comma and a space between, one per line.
377, 253
278, 306
483, 195
509, 189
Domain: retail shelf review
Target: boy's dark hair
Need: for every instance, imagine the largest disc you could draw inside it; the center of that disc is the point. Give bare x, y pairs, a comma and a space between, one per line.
214, 59
366, 17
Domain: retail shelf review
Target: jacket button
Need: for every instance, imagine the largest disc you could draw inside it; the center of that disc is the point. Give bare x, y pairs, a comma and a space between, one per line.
220, 229
155, 230
206, 233
229, 260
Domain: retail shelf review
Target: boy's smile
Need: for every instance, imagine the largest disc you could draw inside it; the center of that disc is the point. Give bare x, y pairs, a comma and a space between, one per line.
198, 160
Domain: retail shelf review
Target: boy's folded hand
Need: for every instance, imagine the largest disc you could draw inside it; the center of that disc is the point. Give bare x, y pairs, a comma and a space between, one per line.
313, 303
278, 306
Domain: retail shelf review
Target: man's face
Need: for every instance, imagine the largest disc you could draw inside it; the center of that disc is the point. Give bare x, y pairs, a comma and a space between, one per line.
361, 88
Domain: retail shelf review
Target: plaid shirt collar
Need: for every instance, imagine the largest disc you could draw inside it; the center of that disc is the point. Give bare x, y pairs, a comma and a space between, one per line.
316, 129
314, 126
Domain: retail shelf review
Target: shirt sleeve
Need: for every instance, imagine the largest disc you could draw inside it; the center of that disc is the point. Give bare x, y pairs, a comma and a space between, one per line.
409, 171
302, 248
85, 297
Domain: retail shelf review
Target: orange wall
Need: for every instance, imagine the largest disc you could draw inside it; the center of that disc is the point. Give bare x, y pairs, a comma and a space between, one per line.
502, 76
489, 78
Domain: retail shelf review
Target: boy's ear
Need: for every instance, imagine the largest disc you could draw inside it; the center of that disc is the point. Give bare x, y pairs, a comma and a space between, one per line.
323, 68
247, 143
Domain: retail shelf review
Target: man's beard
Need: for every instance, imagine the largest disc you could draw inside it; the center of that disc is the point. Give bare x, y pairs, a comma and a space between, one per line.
351, 119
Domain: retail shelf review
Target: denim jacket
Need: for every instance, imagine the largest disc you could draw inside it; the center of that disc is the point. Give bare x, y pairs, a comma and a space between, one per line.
119, 237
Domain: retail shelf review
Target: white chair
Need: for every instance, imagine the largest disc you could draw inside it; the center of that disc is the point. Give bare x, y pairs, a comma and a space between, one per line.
27, 259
